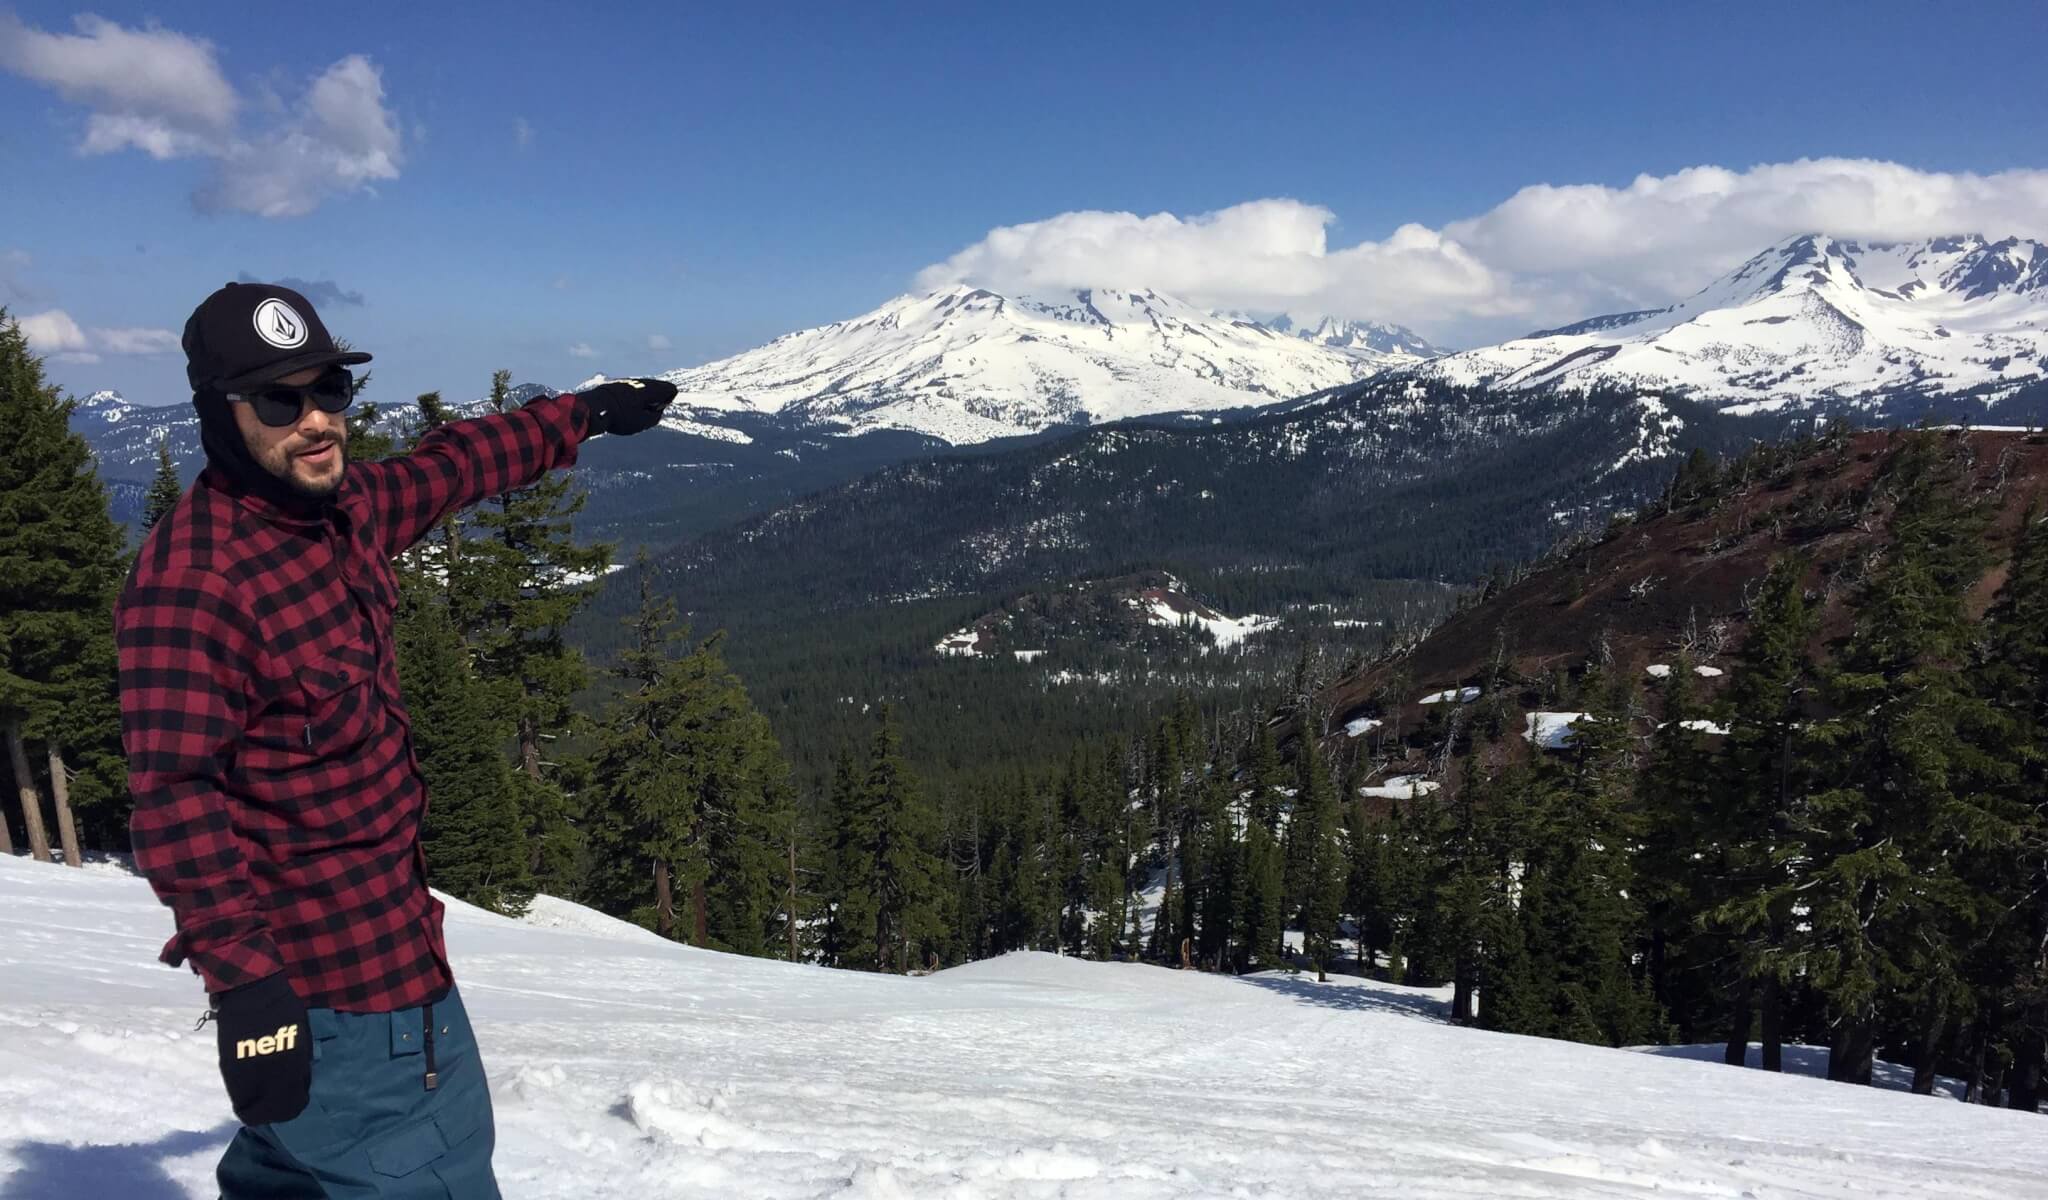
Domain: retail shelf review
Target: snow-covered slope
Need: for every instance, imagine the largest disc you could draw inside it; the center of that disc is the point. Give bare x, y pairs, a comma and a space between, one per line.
967, 365
623, 1066
1811, 319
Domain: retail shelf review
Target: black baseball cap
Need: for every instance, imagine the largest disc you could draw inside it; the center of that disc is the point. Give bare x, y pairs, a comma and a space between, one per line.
248, 334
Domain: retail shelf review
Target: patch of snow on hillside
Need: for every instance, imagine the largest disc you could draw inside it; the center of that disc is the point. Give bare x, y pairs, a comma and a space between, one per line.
1460, 695
1550, 730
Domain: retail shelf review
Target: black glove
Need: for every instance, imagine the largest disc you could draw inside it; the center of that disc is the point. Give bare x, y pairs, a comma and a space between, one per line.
266, 1050
626, 405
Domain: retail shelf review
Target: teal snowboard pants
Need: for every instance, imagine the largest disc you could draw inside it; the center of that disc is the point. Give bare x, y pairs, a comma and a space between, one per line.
373, 1129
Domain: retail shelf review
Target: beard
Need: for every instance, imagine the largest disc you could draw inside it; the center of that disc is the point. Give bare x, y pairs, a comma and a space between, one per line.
317, 479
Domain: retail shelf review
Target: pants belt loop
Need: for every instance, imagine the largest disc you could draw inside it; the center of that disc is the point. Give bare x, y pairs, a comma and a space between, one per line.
433, 1078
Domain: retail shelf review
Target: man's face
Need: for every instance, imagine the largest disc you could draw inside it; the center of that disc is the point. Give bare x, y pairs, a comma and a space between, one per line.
307, 454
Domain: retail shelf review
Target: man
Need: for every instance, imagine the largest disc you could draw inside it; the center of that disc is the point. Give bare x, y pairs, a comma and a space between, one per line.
277, 800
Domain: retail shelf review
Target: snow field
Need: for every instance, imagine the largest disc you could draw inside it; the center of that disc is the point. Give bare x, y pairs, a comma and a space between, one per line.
624, 1066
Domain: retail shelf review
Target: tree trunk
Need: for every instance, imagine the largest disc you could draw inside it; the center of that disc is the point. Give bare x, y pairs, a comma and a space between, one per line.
1737, 1051
1850, 1056
2024, 1092
529, 762
698, 904
664, 900
1973, 1090
1932, 1021
6, 834
1461, 987
60, 792
789, 923
1772, 1029
31, 800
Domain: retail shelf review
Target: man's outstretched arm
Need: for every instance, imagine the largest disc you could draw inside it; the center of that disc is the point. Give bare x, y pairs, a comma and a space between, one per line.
464, 462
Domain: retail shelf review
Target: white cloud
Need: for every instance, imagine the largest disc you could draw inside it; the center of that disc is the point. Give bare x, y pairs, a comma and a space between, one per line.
522, 132
163, 93
659, 343
339, 139
1546, 254
582, 350
54, 333
137, 341
158, 91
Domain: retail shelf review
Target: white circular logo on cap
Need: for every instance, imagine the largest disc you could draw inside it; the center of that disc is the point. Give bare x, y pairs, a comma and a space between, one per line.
280, 325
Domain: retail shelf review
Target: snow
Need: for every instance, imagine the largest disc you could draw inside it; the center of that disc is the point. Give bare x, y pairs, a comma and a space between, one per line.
1808, 319
1228, 631
1550, 730
1359, 726
1702, 725
1663, 671
1402, 787
1460, 695
622, 1066
966, 365
1028, 655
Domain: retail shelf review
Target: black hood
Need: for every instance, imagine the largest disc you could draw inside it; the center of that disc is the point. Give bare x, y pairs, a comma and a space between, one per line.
228, 452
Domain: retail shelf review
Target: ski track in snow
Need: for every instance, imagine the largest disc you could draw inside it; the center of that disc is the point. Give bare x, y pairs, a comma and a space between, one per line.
624, 1066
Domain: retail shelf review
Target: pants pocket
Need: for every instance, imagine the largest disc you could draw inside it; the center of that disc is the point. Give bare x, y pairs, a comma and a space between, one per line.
444, 1156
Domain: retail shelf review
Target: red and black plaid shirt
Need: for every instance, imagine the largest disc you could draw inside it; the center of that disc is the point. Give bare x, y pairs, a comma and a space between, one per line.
277, 800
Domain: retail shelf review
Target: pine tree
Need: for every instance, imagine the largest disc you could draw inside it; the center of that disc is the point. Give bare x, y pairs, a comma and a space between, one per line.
60, 563
472, 832
519, 580
1883, 834
164, 489
891, 905
1312, 836
2009, 966
1746, 833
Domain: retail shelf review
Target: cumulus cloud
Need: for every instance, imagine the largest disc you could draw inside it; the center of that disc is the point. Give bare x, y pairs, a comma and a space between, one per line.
152, 89
1544, 255
582, 350
55, 334
163, 93
319, 291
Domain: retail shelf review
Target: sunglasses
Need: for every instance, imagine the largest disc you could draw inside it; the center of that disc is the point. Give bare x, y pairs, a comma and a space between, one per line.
279, 405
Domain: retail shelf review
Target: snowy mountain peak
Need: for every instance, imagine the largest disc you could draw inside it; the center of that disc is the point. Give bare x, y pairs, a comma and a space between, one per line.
1809, 318
967, 364
1374, 337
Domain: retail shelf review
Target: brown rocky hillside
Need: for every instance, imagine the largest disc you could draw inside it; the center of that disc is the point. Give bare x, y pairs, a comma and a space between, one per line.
1674, 579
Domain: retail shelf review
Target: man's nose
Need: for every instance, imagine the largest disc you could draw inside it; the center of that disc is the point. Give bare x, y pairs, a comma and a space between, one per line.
316, 423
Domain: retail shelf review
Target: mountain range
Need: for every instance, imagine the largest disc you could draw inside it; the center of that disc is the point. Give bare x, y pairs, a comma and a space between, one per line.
1956, 327
1812, 322
964, 364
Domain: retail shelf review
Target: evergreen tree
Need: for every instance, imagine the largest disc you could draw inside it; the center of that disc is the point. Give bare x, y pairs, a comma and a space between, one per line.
891, 905
164, 489
519, 580
1746, 833
1880, 839
2009, 965
1314, 846
472, 831
60, 565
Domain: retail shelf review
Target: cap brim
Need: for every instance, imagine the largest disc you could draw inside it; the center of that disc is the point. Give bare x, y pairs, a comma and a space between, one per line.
272, 372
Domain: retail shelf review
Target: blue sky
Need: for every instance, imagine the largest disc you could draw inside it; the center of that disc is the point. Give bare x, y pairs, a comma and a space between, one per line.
695, 180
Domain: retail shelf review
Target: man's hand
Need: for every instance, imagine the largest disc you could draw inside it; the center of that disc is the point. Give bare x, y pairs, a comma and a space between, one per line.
266, 1050
626, 405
